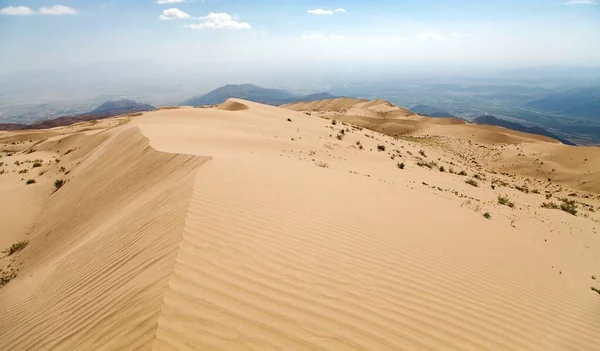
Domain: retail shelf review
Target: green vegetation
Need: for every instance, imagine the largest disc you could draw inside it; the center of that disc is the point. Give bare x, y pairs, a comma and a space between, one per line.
400, 165
487, 215
550, 205
36, 165
30, 181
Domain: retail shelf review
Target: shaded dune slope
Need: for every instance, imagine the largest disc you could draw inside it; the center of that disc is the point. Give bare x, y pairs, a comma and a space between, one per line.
101, 252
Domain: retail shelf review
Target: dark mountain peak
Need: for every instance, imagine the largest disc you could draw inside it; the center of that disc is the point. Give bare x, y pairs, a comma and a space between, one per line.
430, 111
121, 106
252, 93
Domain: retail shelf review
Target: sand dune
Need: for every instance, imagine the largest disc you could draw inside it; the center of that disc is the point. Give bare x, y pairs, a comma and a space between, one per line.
252, 227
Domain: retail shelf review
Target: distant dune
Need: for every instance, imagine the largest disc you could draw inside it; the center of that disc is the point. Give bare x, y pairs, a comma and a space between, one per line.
253, 227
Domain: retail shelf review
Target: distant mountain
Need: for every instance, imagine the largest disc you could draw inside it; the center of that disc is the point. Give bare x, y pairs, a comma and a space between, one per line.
107, 109
252, 93
430, 111
120, 107
494, 121
580, 102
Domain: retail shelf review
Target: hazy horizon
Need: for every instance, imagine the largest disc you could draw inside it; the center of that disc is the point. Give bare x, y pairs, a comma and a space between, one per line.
298, 36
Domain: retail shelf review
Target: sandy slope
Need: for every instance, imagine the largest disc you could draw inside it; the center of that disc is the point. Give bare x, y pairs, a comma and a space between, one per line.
289, 238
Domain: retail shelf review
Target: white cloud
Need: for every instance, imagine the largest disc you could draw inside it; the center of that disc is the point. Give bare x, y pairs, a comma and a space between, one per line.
320, 12
340, 10
161, 2
57, 10
174, 14
16, 11
430, 36
581, 2
219, 20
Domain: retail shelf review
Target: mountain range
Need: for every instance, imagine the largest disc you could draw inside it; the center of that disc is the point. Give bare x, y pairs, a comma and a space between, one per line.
105, 110
254, 93
580, 102
494, 121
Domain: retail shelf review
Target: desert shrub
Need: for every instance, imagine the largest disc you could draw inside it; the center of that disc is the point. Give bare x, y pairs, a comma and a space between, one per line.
36, 165
400, 165
422, 153
58, 184
381, 147
30, 181
472, 182
550, 205
340, 136
522, 189
596, 290
424, 164
62, 169
442, 169
334, 122
16, 247
487, 215
23, 171
323, 165
569, 206
504, 200
462, 173
535, 191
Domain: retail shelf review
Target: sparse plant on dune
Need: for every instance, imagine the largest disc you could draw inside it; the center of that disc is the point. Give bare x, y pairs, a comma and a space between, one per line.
30, 181
323, 164
36, 165
462, 173
422, 153
400, 165
381, 147
16, 247
472, 182
58, 184
569, 206
550, 205
596, 290
504, 200
487, 215
442, 169
334, 122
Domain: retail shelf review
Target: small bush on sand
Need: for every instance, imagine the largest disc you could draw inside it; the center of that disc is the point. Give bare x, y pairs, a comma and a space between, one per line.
334, 122
487, 215
569, 206
504, 200
442, 169
58, 184
462, 173
16, 247
400, 165
381, 147
596, 290
30, 181
36, 165
422, 153
472, 182
550, 205
323, 165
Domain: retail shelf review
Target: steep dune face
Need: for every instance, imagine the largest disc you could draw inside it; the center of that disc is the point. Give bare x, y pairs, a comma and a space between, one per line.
101, 252
294, 235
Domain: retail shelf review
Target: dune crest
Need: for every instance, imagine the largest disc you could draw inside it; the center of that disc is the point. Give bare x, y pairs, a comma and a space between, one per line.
232, 105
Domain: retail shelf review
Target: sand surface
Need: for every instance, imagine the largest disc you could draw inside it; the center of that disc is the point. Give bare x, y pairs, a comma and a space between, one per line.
251, 227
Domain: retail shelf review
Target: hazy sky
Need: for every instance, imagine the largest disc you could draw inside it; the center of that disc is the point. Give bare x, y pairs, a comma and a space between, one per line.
40, 34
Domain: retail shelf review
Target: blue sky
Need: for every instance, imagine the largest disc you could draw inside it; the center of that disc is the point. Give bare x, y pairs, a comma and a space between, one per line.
38, 34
